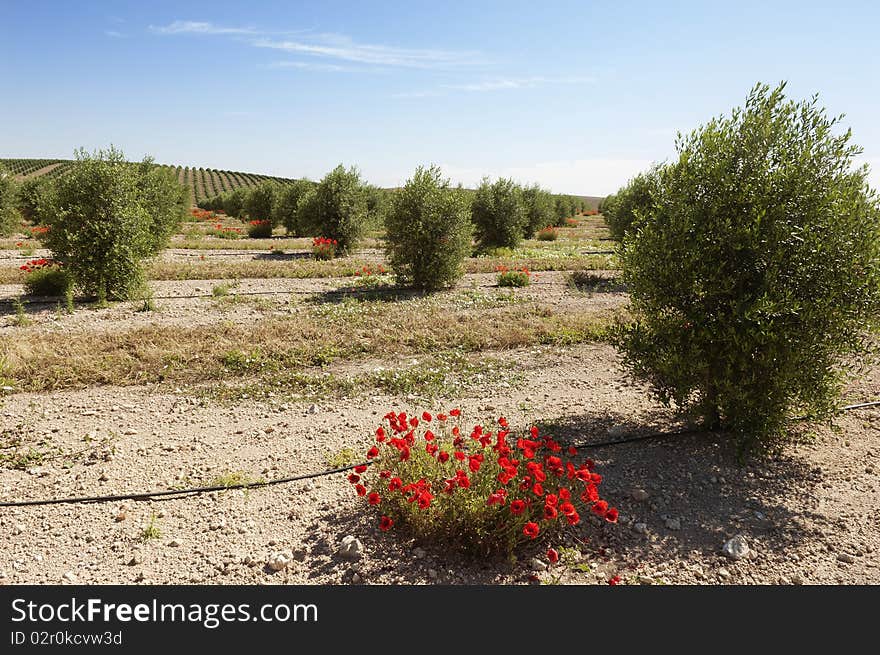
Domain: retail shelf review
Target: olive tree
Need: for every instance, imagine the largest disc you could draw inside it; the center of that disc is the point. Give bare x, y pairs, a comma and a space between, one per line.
9, 216
755, 273
284, 212
428, 231
498, 213
539, 207
103, 214
631, 203
337, 209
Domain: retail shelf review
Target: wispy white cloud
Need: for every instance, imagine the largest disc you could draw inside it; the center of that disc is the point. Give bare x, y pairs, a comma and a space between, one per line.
502, 84
200, 27
321, 67
114, 34
334, 46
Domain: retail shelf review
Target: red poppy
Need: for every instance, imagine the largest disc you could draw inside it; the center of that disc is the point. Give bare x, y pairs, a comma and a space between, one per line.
552, 555
459, 455
573, 519
531, 530
517, 507
395, 484
551, 499
443, 456
426, 417
385, 523
611, 515
374, 498
600, 508
354, 478
425, 500
385, 474
550, 512
360, 468
361, 490
614, 581
372, 452
454, 412
441, 417
567, 508
502, 422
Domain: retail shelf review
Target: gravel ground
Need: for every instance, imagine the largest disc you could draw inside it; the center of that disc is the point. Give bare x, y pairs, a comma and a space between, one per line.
809, 515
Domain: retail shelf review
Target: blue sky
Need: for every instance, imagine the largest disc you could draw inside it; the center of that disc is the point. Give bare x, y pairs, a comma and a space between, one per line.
578, 96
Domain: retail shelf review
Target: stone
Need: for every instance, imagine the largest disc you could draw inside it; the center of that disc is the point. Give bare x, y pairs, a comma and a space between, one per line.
18, 529
314, 409
736, 548
617, 431
673, 524
641, 528
350, 548
174, 543
70, 577
639, 495
537, 565
723, 574
846, 558
279, 561
419, 553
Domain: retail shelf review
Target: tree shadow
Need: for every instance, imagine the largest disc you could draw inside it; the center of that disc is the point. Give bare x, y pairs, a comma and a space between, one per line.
281, 256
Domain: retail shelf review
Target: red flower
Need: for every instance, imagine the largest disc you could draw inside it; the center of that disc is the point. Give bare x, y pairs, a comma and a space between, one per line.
425, 499
414, 422
454, 412
567, 508
572, 451
538, 489
551, 500
361, 490
611, 515
459, 455
372, 452
573, 519
502, 422
380, 434
531, 530
385, 523
441, 417
614, 581
374, 498
443, 456
600, 508
361, 468
517, 507
385, 474
395, 484
426, 417
429, 436
550, 512
552, 555
354, 478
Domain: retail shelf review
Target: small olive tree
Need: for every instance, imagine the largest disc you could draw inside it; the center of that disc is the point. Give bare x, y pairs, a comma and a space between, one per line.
428, 231
499, 214
260, 200
165, 200
631, 203
286, 203
755, 274
337, 209
539, 207
101, 215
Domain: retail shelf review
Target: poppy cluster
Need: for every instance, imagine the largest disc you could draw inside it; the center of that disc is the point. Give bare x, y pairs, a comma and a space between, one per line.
259, 223
526, 484
548, 233
324, 248
202, 214
368, 271
513, 277
38, 265
39, 230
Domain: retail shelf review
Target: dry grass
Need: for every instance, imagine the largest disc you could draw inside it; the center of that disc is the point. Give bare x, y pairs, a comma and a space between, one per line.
45, 362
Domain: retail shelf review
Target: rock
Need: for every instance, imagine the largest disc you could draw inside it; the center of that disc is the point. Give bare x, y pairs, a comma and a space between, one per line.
673, 524
617, 431
280, 560
797, 579
350, 548
645, 580
736, 549
314, 409
639, 495
135, 560
641, 528
18, 529
537, 565
174, 543
70, 577
356, 579
723, 574
121, 516
130, 433
103, 477
846, 558
419, 553
300, 554
432, 574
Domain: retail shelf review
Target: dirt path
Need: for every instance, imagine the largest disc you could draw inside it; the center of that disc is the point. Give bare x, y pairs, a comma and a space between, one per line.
41, 171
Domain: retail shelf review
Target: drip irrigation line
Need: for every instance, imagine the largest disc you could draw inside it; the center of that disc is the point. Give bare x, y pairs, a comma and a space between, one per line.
146, 495
176, 492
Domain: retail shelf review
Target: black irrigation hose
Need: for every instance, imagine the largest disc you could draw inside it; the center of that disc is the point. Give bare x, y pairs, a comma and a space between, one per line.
175, 492
307, 476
